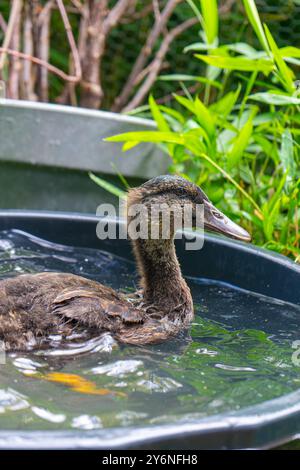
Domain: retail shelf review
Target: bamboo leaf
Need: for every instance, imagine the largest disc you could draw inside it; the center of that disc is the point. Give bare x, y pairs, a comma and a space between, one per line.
237, 63
290, 51
226, 103
210, 15
275, 98
204, 118
111, 188
254, 19
240, 144
130, 145
286, 155
184, 78
158, 116
284, 71
147, 136
198, 46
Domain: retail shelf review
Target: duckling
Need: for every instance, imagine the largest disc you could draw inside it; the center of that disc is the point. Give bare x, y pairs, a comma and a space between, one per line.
35, 306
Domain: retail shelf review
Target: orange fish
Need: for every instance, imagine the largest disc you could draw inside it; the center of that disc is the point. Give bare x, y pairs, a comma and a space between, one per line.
79, 384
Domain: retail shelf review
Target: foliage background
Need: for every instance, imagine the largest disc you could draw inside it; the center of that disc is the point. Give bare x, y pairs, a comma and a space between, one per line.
123, 45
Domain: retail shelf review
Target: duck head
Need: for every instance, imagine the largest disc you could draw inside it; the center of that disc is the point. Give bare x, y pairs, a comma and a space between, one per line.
176, 193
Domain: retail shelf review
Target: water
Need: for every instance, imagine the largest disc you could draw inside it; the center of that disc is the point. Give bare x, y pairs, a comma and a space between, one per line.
237, 353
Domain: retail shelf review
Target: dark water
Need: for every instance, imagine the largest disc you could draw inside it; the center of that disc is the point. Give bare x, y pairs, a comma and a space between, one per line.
238, 353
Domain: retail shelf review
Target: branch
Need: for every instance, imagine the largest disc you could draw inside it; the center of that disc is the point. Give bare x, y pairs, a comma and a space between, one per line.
28, 82
115, 15
143, 56
42, 63
157, 63
93, 47
137, 15
74, 50
14, 14
3, 24
191, 89
226, 7
43, 49
15, 66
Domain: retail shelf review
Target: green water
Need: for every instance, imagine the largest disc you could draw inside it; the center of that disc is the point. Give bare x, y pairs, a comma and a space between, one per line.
237, 353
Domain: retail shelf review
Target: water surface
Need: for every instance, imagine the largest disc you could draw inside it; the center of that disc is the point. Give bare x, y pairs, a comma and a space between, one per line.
237, 353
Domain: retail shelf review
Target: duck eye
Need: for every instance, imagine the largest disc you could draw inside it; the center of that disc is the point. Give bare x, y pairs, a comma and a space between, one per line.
217, 215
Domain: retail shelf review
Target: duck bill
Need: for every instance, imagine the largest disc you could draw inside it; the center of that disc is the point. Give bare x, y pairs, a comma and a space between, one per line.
216, 221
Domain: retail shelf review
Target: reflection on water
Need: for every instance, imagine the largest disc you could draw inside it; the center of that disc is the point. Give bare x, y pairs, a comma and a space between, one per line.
237, 353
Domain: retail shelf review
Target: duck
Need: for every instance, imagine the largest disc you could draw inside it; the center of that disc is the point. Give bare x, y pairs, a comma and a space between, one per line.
34, 307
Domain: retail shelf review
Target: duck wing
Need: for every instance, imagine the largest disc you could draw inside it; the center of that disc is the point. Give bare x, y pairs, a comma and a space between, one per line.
105, 309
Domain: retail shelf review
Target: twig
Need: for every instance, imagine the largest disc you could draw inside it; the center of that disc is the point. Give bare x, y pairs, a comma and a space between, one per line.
42, 63
115, 15
77, 4
15, 66
93, 45
3, 24
156, 10
137, 15
15, 10
226, 7
74, 50
43, 49
28, 85
157, 62
143, 56
191, 89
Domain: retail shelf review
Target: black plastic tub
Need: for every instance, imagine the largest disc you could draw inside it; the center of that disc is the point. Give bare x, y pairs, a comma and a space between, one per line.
261, 426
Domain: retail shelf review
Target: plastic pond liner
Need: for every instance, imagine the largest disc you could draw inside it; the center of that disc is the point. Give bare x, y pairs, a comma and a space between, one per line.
232, 382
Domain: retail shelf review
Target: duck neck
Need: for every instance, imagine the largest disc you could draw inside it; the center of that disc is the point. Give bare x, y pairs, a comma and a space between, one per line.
161, 278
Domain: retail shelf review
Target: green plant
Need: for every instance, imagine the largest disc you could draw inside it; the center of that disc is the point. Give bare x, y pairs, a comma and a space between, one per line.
239, 139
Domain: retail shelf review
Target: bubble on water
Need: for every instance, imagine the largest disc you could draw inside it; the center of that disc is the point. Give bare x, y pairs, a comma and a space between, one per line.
206, 352
128, 417
101, 344
27, 364
159, 384
48, 415
216, 403
121, 384
6, 245
118, 368
235, 368
86, 422
11, 400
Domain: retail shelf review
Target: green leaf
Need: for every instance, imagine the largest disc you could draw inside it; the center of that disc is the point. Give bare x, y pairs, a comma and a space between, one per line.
188, 104
237, 63
244, 49
130, 145
173, 113
147, 136
161, 122
201, 112
226, 103
210, 15
274, 98
198, 46
269, 221
204, 118
254, 19
286, 155
111, 188
240, 144
284, 71
290, 51
157, 116
183, 78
